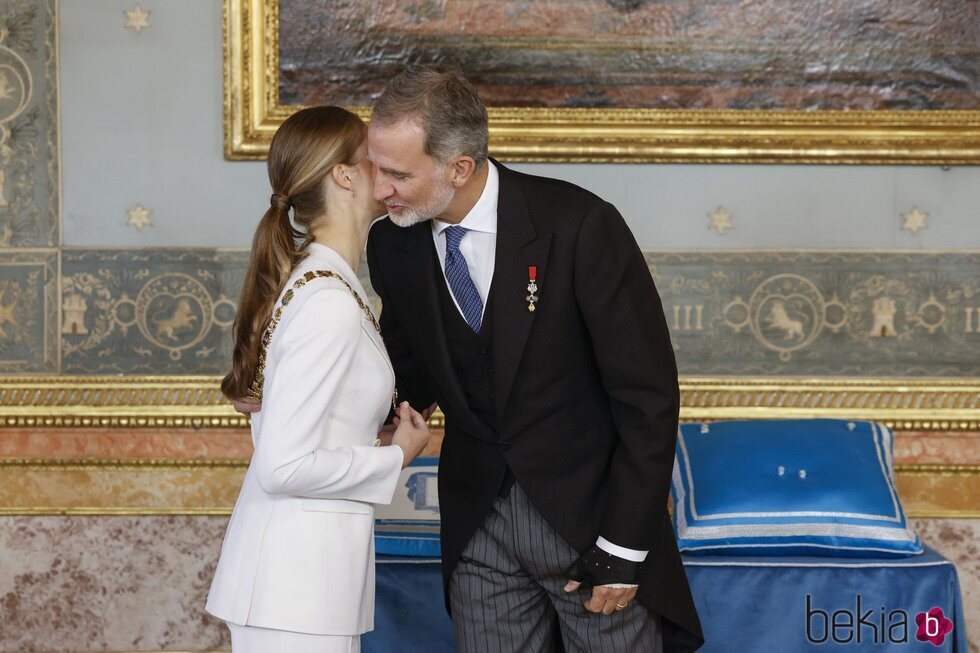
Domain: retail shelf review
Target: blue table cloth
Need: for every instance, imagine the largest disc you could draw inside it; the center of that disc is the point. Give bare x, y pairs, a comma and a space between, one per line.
760, 603
410, 614
746, 604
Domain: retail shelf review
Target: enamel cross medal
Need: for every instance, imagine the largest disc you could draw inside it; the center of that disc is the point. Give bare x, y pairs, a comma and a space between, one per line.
532, 287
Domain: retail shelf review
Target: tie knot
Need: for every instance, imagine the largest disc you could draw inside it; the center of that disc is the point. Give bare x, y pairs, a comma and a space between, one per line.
454, 235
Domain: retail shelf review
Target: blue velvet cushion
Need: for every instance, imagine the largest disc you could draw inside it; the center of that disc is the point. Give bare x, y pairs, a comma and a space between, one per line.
788, 487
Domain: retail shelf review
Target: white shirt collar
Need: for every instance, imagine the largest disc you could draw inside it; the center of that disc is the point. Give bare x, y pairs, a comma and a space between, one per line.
483, 216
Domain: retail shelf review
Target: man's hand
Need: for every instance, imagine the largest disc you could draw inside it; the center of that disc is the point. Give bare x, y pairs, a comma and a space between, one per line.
247, 407
613, 580
605, 599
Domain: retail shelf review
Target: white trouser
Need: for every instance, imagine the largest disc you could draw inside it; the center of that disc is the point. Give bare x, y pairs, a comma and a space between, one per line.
247, 639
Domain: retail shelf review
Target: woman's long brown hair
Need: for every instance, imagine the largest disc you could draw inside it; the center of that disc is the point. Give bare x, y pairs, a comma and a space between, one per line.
303, 151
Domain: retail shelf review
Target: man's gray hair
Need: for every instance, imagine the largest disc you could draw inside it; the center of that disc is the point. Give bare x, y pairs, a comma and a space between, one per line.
445, 105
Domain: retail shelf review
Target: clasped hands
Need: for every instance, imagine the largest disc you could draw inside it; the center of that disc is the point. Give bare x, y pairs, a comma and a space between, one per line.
412, 437
608, 595
387, 432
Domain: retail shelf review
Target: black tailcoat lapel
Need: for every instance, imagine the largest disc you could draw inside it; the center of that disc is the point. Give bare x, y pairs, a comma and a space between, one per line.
519, 247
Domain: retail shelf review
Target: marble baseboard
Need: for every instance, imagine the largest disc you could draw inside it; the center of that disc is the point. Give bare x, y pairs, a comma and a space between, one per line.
120, 487
122, 443
211, 487
199, 471
959, 540
139, 583
141, 443
108, 583
911, 447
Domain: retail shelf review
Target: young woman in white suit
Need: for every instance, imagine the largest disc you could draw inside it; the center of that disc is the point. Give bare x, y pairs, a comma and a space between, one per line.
296, 570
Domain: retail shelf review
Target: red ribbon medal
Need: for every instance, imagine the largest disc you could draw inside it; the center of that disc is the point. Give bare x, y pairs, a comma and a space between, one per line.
532, 287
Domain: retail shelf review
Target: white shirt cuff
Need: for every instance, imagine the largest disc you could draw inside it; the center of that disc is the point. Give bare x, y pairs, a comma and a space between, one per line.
632, 555
620, 586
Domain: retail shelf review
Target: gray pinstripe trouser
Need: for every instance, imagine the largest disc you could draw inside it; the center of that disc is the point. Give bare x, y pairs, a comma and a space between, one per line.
507, 592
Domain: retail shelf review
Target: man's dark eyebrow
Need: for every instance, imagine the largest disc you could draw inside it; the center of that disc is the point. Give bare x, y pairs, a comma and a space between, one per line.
397, 173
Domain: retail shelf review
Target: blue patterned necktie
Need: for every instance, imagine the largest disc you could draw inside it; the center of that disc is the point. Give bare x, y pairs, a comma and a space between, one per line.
460, 282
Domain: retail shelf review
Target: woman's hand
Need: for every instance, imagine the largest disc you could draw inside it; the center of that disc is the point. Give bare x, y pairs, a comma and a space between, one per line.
412, 434
246, 406
388, 430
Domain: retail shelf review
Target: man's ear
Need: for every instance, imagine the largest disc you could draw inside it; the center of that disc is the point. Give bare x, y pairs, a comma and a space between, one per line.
460, 170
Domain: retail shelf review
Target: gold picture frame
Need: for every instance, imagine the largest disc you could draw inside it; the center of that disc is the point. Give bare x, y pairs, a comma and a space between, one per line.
253, 113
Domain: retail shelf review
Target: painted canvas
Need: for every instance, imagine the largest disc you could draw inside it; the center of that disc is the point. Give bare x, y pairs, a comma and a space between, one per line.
650, 54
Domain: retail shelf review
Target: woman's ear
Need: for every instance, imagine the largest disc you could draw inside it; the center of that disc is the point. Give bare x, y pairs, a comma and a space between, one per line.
343, 176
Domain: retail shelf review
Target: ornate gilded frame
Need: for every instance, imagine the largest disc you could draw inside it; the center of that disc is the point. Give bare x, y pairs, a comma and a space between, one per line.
253, 113
196, 401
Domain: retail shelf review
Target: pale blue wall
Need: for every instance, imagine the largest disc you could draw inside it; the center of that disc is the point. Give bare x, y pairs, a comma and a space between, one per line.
142, 122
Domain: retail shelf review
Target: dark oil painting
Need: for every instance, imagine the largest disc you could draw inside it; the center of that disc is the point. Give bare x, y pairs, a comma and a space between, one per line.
654, 54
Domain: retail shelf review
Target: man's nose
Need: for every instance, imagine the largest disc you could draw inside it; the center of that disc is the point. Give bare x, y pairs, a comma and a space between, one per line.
382, 189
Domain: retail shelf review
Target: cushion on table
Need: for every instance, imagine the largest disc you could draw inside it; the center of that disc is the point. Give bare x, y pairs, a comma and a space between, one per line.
788, 487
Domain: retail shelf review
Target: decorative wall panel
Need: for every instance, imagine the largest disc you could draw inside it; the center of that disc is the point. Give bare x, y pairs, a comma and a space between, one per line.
764, 313
149, 311
29, 157
28, 311
822, 313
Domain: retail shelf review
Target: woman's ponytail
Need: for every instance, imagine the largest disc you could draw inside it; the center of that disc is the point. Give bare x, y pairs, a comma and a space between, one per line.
303, 151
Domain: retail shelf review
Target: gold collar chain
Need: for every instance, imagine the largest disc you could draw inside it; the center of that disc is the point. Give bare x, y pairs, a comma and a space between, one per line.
255, 391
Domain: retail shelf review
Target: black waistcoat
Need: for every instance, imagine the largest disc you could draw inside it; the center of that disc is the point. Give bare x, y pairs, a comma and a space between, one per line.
471, 354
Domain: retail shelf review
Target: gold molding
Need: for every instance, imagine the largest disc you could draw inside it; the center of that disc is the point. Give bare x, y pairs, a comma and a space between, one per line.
84, 464
113, 401
253, 113
122, 464
196, 401
936, 470
119, 487
903, 404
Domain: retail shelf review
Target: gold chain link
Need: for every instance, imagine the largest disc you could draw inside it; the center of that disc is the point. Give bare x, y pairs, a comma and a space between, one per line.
256, 390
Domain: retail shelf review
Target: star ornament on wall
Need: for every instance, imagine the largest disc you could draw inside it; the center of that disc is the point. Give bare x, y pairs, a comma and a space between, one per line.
720, 220
139, 217
914, 221
137, 19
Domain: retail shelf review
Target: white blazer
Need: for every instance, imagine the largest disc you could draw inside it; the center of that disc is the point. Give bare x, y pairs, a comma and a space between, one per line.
298, 554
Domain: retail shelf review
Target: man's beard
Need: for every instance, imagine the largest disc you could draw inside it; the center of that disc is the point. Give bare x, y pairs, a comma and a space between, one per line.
442, 195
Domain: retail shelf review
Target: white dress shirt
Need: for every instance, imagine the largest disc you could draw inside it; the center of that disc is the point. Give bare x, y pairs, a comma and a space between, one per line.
479, 248
479, 245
